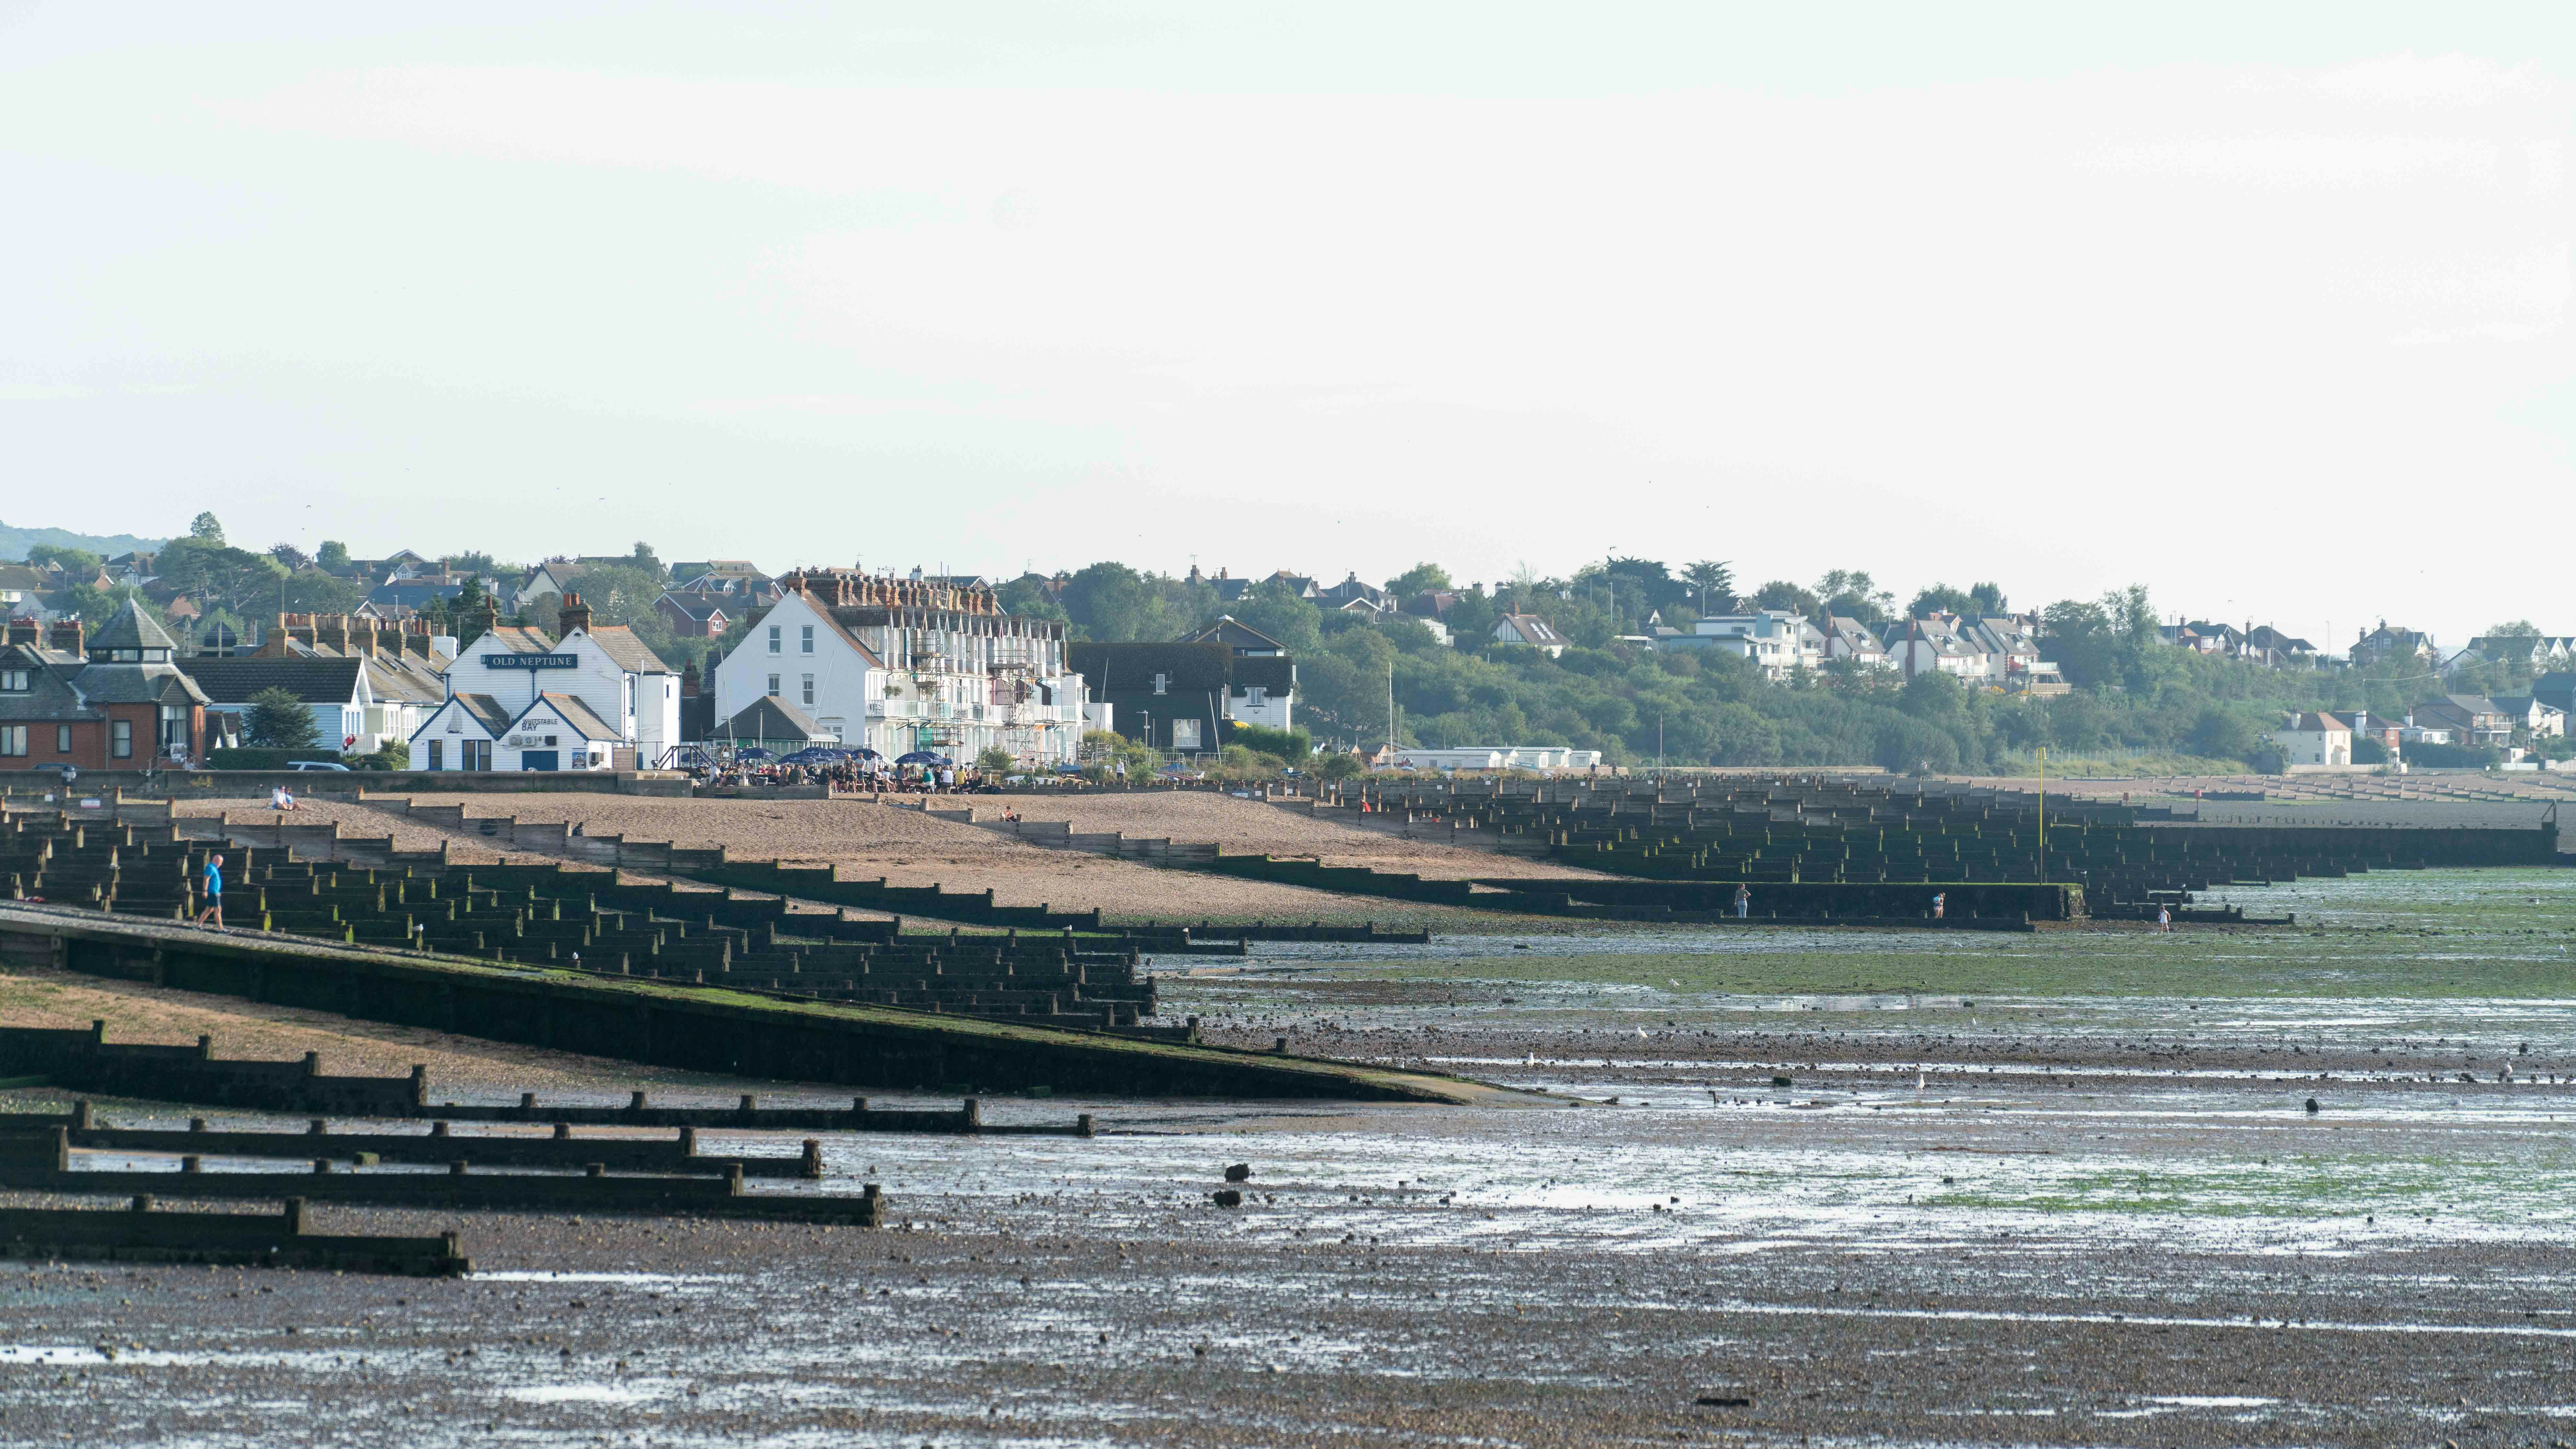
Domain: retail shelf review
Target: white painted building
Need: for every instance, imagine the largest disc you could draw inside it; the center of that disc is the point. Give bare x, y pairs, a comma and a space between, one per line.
2315, 739
1779, 642
623, 685
897, 665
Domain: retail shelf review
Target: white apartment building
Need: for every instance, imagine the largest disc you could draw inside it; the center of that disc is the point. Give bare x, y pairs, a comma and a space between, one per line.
897, 665
1776, 640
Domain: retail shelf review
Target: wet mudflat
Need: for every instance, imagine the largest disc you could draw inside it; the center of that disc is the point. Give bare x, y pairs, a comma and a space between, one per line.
2087, 1211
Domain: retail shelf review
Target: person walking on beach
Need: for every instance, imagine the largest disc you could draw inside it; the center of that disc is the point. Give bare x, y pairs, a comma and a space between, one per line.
1743, 901
2164, 919
214, 891
1940, 904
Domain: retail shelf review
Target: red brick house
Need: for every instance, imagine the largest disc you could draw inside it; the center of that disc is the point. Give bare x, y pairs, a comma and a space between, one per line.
112, 701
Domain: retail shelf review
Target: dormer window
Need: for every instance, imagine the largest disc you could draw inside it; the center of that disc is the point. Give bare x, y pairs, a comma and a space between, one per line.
14, 681
1162, 684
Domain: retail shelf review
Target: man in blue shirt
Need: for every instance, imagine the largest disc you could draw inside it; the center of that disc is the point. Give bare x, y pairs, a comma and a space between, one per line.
214, 891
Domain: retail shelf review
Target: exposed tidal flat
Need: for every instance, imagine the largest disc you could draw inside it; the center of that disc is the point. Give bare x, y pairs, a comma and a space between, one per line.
2060, 1189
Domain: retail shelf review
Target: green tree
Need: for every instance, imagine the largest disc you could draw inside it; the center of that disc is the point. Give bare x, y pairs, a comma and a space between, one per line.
205, 528
1026, 596
2079, 639
333, 556
280, 721
994, 760
1275, 610
1712, 585
1940, 599
1986, 599
649, 561
77, 561
1110, 601
311, 591
2222, 734
221, 576
1417, 579
1782, 594
1339, 765
1853, 594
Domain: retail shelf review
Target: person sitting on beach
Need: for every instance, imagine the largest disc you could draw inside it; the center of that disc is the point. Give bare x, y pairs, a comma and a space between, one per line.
282, 798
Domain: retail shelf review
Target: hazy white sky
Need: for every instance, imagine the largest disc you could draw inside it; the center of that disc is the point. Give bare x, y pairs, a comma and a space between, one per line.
2267, 306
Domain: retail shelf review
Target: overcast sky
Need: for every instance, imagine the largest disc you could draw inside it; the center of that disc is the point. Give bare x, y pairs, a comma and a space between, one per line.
2266, 306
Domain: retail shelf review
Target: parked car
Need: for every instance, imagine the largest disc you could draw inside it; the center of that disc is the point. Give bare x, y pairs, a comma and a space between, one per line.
317, 765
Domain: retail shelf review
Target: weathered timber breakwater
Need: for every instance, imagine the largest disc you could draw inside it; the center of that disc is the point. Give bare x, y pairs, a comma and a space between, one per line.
142, 1233
674, 1024
2109, 861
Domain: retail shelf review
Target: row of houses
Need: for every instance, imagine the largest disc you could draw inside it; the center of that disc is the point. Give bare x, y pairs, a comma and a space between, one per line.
2001, 651
2311, 739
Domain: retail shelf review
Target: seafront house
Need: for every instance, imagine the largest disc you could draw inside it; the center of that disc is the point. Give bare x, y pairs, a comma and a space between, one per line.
2385, 642
110, 701
1531, 630
2532, 718
1180, 695
592, 697
357, 705
2467, 719
1777, 641
2314, 739
897, 665
696, 615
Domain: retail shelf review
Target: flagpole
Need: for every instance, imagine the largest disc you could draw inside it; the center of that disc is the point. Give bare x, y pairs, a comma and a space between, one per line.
2043, 814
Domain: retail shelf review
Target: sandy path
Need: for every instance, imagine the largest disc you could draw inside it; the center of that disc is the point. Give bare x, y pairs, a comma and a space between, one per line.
358, 820
909, 848
1246, 827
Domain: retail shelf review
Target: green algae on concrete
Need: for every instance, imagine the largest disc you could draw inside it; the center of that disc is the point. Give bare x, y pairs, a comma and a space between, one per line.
678, 1025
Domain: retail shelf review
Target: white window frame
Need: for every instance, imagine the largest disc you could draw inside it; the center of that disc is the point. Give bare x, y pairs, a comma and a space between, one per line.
13, 740
773, 686
1162, 684
777, 638
120, 739
809, 691
805, 639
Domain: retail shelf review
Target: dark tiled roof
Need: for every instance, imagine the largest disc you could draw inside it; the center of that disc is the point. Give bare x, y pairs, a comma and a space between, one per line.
771, 718
513, 639
136, 684
1130, 668
1274, 672
577, 714
1234, 633
618, 642
392, 681
130, 628
488, 712
50, 697
313, 681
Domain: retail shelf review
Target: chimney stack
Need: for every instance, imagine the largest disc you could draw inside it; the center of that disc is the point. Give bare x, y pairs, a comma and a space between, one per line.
67, 636
331, 631
575, 615
26, 631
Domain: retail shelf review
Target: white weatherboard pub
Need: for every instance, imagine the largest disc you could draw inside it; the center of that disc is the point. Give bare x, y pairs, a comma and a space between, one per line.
594, 699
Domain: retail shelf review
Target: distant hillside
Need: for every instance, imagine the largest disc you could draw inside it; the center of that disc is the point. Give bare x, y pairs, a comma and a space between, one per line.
14, 542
